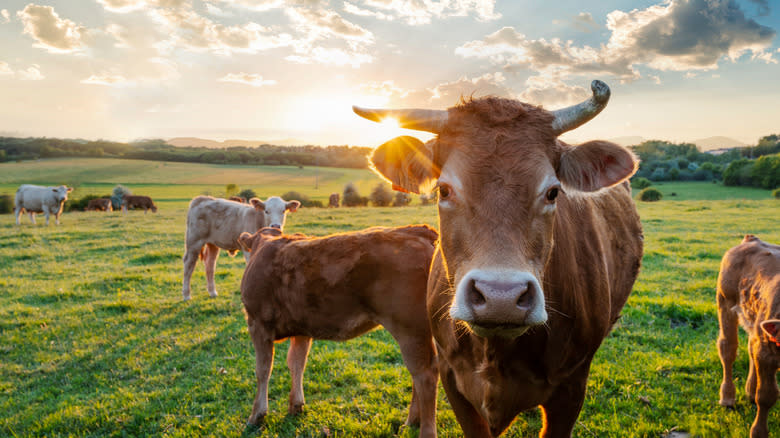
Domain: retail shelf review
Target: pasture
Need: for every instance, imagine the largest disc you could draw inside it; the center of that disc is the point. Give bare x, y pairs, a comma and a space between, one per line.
96, 341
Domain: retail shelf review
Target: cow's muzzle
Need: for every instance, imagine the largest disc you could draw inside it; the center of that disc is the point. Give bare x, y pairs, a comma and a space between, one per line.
277, 226
499, 302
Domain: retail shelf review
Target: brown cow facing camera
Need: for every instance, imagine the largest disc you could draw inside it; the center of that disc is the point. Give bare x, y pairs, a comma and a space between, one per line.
336, 288
132, 201
749, 294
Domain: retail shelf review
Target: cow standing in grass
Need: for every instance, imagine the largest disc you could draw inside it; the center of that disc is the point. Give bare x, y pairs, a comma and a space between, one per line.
540, 246
214, 223
99, 204
37, 199
749, 294
339, 287
133, 201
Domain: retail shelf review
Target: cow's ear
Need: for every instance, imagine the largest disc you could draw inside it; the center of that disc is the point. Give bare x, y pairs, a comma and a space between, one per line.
292, 206
407, 163
771, 327
70, 189
595, 165
257, 204
245, 240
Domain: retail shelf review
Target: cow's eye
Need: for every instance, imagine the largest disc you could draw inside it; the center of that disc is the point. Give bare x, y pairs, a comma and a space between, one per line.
445, 191
267, 212
552, 193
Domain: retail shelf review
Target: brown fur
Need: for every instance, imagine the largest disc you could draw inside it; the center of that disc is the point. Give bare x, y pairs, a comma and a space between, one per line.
132, 201
100, 204
333, 200
585, 254
237, 199
339, 287
749, 294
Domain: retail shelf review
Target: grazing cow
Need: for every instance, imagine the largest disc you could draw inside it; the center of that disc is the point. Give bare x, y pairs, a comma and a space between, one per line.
237, 199
333, 200
339, 287
540, 246
749, 294
37, 199
214, 223
132, 201
99, 204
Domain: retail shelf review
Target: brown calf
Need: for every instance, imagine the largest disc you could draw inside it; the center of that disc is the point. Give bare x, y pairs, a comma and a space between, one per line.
131, 201
100, 204
336, 288
749, 294
237, 199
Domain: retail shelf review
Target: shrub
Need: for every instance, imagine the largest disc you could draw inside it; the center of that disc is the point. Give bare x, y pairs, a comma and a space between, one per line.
658, 174
6, 204
674, 174
641, 183
738, 173
117, 194
776, 193
428, 198
81, 204
766, 172
231, 190
402, 199
351, 197
650, 194
247, 194
381, 196
303, 199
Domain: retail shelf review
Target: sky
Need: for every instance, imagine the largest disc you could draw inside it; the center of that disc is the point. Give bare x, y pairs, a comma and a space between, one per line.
277, 70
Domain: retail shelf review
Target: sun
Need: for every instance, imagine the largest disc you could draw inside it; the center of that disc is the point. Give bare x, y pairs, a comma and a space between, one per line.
390, 123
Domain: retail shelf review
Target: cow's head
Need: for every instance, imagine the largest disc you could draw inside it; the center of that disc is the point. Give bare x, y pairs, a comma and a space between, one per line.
250, 242
499, 170
275, 210
61, 193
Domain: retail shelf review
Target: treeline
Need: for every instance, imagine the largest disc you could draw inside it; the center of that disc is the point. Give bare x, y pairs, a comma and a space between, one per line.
757, 166
17, 149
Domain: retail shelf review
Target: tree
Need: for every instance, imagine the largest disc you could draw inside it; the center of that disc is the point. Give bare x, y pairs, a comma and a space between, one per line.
402, 199
738, 173
117, 194
231, 190
351, 197
381, 196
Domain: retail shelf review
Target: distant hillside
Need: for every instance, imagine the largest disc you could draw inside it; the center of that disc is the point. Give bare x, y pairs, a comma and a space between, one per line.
718, 142
213, 144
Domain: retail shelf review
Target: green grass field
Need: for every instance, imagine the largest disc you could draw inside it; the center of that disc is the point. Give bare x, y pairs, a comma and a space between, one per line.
95, 340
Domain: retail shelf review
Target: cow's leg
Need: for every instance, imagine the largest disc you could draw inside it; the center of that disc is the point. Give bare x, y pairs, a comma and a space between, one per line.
727, 349
472, 424
560, 411
210, 262
419, 356
752, 380
17, 213
57, 217
264, 360
46, 213
191, 254
766, 390
32, 216
296, 363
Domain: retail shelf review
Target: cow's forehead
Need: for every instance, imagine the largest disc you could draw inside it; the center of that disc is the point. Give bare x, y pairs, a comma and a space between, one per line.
275, 203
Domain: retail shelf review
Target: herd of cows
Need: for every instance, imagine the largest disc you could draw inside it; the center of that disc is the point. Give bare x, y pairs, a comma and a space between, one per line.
538, 248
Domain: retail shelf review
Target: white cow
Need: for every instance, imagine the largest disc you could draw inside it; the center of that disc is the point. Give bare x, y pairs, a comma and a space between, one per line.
214, 223
38, 199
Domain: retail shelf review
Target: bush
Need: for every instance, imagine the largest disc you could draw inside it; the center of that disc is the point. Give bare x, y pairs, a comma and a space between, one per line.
766, 172
117, 194
776, 193
303, 199
402, 199
247, 194
381, 196
738, 173
658, 174
351, 197
674, 174
650, 194
640, 183
6, 204
428, 198
231, 190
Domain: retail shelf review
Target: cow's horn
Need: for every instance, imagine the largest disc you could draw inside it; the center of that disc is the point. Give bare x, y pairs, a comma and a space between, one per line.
417, 119
572, 117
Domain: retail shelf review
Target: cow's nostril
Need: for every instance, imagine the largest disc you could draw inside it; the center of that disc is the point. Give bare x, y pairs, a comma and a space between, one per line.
277, 226
476, 297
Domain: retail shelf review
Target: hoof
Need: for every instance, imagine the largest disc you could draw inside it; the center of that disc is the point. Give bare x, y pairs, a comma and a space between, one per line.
186, 297
256, 421
727, 403
295, 409
213, 294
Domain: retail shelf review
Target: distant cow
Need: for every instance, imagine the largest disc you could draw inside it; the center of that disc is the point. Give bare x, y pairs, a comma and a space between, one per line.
749, 294
132, 201
38, 199
214, 223
99, 204
333, 200
339, 287
237, 199
540, 246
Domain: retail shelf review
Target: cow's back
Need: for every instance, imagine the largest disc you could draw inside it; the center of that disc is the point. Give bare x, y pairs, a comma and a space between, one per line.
32, 197
749, 277
218, 221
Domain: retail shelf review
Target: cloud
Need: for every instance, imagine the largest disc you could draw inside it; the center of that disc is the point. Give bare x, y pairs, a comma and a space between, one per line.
5, 69
386, 89
124, 6
31, 74
552, 92
332, 56
584, 21
416, 12
322, 24
355, 10
252, 79
55, 34
763, 7
6, 15
489, 84
105, 79
678, 35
